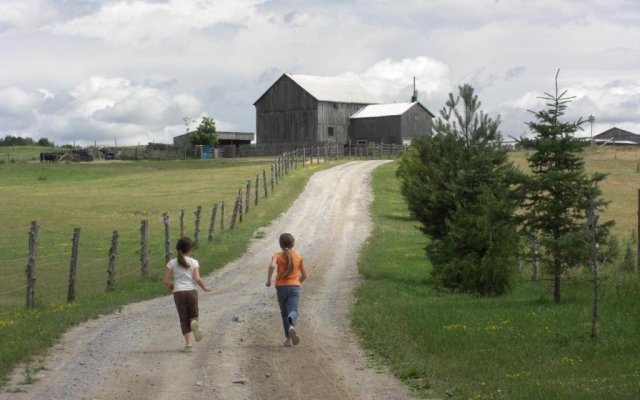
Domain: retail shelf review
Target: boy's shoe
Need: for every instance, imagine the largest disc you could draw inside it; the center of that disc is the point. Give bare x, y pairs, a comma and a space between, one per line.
287, 343
195, 328
187, 349
295, 339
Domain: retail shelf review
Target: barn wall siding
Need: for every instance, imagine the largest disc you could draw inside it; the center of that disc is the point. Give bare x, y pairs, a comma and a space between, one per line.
286, 113
377, 130
336, 116
415, 122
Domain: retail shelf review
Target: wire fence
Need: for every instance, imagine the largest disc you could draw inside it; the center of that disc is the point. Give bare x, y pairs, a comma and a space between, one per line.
57, 259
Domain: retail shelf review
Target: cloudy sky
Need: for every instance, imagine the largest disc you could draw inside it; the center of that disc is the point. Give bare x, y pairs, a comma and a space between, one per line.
88, 71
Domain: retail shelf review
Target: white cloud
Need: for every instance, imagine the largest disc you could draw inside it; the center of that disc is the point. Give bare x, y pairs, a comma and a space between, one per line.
139, 22
16, 101
134, 69
25, 14
392, 81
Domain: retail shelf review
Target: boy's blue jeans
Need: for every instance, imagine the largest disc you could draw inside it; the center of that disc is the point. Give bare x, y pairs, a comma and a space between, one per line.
288, 299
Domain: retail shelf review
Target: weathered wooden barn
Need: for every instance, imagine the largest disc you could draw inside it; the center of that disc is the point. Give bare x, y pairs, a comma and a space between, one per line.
397, 123
617, 136
303, 109
309, 109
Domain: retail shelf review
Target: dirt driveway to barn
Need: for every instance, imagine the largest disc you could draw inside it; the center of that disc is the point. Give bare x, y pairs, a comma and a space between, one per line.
135, 353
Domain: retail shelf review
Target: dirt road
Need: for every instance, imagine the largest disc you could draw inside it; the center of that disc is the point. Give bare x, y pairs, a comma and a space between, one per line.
134, 354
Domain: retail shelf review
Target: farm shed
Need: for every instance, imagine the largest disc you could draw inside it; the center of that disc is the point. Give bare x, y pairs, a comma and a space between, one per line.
224, 139
617, 136
397, 123
309, 109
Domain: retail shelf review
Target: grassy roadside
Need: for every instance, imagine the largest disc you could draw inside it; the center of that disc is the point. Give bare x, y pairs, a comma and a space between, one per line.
520, 346
110, 196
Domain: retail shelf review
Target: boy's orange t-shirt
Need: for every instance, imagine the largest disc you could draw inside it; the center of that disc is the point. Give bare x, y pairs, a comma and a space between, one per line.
294, 277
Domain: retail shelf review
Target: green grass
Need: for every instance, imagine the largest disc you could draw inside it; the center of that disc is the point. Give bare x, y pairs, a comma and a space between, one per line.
12, 154
519, 346
101, 197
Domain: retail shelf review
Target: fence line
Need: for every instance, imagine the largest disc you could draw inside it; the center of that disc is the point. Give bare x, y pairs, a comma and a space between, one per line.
137, 239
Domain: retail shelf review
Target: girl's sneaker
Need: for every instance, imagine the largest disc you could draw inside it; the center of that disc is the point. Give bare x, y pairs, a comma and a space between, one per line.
295, 339
287, 342
187, 349
195, 328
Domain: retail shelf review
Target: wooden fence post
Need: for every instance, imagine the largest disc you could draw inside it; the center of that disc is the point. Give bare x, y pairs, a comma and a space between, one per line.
144, 247
287, 162
247, 199
638, 238
196, 230
222, 217
167, 237
239, 200
182, 223
113, 252
304, 151
31, 264
257, 190
272, 174
264, 182
234, 215
212, 225
73, 265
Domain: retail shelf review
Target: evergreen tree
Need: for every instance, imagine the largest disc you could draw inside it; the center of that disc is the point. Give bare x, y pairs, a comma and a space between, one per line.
458, 184
559, 191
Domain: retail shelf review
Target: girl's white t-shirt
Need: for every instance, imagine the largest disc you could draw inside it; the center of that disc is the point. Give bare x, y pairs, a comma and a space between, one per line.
183, 277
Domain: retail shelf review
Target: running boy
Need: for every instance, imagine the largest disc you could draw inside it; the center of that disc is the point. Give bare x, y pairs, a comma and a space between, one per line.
186, 274
290, 274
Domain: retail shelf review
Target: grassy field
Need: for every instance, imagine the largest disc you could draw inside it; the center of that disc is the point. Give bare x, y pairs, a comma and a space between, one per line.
519, 346
11, 154
101, 197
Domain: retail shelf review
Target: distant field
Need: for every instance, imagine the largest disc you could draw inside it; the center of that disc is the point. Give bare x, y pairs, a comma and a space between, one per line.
100, 198
620, 187
22, 153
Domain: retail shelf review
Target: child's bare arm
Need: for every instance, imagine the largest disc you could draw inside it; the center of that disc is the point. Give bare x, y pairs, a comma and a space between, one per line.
199, 281
165, 279
303, 273
272, 268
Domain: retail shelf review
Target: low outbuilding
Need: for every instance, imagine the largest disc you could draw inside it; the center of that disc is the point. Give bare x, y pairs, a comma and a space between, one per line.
617, 136
394, 123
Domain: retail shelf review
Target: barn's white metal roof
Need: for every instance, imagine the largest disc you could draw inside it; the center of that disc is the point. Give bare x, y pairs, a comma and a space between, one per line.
383, 110
339, 90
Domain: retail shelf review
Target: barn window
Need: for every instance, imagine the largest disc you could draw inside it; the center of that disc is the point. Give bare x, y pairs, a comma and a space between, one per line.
330, 130
361, 142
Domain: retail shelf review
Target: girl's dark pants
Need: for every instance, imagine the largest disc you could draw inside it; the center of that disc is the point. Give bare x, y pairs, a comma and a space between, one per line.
187, 305
288, 300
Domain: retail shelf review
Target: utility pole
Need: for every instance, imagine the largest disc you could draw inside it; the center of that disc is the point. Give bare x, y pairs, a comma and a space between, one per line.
591, 119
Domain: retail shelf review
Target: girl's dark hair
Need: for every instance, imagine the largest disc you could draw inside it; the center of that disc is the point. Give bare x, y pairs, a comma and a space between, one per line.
184, 246
286, 243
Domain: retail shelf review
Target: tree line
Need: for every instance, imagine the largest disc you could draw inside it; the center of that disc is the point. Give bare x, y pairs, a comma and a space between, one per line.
477, 207
10, 140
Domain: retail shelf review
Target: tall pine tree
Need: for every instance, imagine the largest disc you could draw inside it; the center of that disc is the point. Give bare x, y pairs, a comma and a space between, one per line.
458, 184
559, 191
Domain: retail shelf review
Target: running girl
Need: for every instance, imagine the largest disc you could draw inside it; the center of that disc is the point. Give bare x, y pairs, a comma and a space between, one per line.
186, 274
290, 274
